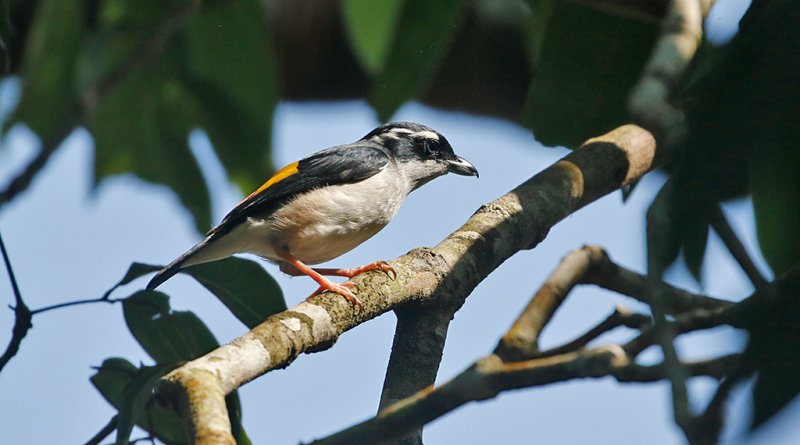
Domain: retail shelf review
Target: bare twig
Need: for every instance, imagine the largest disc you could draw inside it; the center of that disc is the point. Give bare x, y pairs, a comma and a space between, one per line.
620, 317
23, 180
22, 315
522, 340
720, 224
104, 432
588, 265
489, 376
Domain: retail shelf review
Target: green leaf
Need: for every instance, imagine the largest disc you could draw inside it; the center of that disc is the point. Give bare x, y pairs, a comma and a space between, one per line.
135, 398
230, 48
5, 35
675, 222
588, 63
541, 10
135, 271
370, 28
775, 178
142, 127
117, 374
773, 350
424, 33
167, 336
243, 286
112, 377
694, 246
48, 93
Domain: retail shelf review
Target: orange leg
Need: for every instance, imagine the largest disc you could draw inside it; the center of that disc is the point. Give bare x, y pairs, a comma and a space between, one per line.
324, 283
348, 272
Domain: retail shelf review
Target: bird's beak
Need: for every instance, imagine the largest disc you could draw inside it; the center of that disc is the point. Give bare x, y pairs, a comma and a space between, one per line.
461, 166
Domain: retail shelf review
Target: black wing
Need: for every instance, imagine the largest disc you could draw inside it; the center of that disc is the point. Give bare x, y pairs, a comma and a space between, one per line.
336, 165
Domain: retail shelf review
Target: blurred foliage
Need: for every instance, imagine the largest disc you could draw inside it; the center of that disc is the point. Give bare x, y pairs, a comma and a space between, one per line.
140, 75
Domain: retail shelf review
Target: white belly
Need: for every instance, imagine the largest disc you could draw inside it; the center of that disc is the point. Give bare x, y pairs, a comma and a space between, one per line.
326, 223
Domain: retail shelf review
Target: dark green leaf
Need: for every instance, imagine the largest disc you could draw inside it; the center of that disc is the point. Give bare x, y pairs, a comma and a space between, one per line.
48, 93
142, 127
135, 271
167, 336
588, 63
370, 28
675, 222
423, 35
541, 10
5, 35
775, 178
774, 350
243, 286
235, 414
694, 246
230, 48
112, 377
135, 398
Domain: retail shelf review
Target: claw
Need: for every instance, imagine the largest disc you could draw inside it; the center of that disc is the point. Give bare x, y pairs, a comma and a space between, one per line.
342, 289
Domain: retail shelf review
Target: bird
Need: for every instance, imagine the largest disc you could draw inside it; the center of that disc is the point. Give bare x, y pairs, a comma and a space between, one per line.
326, 204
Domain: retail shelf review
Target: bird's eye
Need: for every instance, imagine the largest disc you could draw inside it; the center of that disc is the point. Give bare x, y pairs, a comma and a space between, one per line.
431, 147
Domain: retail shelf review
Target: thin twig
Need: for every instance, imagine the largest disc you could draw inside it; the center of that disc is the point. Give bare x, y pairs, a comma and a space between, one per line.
23, 180
22, 315
620, 317
104, 432
103, 299
720, 224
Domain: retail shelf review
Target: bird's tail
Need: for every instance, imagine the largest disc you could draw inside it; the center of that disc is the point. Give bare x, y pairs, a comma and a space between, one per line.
187, 259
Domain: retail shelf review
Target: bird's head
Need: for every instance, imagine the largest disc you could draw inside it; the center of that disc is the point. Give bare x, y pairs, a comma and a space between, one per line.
421, 152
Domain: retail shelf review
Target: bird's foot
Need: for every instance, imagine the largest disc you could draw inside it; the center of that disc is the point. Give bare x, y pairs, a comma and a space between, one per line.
351, 272
342, 289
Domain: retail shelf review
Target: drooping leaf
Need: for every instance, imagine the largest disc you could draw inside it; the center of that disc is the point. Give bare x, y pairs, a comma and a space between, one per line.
775, 178
112, 377
675, 223
423, 35
167, 336
370, 28
138, 392
541, 10
135, 271
773, 350
142, 127
588, 63
5, 35
229, 48
243, 286
48, 95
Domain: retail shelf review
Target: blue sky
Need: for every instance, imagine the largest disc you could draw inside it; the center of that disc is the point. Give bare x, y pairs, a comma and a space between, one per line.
68, 242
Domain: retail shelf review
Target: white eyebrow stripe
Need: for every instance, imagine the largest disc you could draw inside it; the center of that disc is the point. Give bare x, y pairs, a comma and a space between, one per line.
427, 135
395, 133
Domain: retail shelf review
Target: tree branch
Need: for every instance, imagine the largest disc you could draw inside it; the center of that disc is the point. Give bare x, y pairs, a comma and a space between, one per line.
489, 376
588, 265
446, 273
648, 103
416, 354
22, 315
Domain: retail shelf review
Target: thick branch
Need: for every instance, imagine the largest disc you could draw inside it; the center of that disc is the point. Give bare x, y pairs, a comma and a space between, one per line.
445, 274
416, 353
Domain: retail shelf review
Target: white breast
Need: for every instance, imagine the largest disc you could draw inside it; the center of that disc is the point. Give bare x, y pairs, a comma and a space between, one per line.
325, 223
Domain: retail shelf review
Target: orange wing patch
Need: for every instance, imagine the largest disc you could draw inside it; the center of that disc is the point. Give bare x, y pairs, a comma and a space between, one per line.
281, 174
